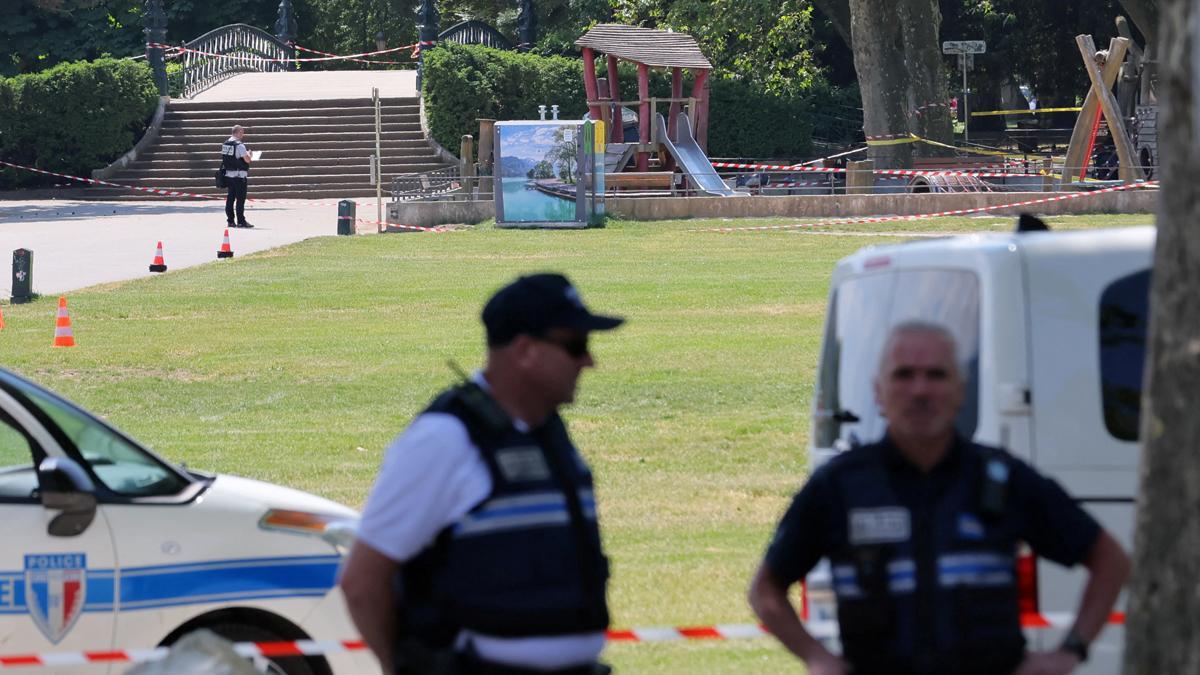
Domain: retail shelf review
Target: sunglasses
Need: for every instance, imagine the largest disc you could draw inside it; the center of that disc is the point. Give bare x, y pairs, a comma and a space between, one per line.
575, 346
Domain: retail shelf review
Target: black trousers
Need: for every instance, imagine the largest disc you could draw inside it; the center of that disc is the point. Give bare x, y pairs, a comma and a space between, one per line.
236, 192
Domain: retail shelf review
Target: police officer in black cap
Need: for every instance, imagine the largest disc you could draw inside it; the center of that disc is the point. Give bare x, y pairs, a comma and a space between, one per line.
921, 530
479, 548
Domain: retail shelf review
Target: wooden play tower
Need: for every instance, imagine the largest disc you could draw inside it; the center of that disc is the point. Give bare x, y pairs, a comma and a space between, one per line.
648, 48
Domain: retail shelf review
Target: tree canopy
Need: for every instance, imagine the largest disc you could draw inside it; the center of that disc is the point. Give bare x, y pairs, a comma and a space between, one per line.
784, 47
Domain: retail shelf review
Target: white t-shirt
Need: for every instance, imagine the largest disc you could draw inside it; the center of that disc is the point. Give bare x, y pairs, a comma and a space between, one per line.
432, 475
238, 153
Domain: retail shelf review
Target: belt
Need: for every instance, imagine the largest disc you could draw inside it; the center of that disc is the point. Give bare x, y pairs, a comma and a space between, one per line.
471, 664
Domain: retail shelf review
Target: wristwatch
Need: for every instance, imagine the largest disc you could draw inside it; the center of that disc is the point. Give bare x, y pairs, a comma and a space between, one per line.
1073, 643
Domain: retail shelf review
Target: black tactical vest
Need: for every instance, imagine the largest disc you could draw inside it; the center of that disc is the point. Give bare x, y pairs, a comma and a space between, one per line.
229, 158
931, 591
525, 561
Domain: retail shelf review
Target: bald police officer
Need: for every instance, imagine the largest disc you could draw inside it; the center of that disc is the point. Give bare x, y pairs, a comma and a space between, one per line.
921, 530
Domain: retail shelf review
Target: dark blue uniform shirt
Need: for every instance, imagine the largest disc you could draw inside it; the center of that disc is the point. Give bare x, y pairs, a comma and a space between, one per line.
948, 583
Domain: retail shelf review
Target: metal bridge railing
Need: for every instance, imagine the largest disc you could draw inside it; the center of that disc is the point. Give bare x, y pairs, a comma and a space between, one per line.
240, 49
428, 185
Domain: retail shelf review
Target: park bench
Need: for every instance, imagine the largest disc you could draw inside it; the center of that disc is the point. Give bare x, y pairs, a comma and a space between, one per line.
640, 180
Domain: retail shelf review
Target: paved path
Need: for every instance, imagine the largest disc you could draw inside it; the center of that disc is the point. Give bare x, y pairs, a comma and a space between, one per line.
77, 244
312, 86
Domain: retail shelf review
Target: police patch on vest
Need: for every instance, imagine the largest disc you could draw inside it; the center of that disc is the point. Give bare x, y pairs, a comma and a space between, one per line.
969, 527
522, 464
880, 525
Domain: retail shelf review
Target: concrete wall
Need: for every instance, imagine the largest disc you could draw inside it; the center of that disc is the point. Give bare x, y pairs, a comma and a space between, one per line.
144, 142
431, 214
427, 214
853, 206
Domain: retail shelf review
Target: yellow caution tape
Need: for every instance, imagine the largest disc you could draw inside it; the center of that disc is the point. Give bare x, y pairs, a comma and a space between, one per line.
896, 141
1022, 111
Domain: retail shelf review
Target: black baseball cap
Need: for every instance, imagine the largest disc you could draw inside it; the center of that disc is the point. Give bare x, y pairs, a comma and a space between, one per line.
534, 304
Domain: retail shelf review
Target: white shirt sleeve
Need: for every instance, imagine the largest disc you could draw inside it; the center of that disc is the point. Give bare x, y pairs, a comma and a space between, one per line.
432, 475
241, 151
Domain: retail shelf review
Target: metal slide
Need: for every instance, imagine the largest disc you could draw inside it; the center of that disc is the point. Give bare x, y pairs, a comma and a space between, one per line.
691, 158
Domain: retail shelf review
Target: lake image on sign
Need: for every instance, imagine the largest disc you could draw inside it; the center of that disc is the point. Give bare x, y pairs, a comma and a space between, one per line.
537, 172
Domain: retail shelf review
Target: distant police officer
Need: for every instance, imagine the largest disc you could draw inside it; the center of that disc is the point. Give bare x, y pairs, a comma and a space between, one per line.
235, 159
479, 549
921, 530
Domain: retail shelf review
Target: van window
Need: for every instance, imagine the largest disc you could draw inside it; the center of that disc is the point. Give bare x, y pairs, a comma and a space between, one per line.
1124, 317
861, 312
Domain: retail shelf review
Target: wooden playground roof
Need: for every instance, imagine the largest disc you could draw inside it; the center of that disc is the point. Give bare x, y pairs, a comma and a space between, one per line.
650, 46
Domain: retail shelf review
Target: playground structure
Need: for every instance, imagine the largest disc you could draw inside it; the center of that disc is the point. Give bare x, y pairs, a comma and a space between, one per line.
671, 141
1102, 69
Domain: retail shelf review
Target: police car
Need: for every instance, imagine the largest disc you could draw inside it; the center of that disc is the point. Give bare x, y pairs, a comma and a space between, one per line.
107, 546
1052, 326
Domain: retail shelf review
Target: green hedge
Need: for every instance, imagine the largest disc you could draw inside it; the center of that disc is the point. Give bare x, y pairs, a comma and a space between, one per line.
464, 83
73, 118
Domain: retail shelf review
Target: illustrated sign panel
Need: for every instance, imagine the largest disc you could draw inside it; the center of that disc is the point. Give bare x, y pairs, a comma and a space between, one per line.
542, 172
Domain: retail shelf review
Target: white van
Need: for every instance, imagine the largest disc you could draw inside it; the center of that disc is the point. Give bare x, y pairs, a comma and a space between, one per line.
1053, 328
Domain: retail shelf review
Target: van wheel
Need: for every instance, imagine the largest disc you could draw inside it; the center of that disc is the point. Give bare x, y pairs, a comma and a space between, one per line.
291, 665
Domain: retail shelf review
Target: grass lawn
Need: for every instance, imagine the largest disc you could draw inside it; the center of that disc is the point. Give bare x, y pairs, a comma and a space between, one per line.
298, 365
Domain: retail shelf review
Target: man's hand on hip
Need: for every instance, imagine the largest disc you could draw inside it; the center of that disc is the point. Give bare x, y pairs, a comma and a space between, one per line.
1049, 663
827, 664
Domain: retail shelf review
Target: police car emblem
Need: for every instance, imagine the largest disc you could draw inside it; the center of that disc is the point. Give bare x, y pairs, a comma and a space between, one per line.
55, 590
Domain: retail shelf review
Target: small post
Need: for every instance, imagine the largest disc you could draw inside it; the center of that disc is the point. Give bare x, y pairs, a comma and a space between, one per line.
487, 132
466, 167
606, 108
526, 25
156, 33
22, 276
590, 87
860, 177
285, 30
643, 157
962, 58
346, 217
616, 127
427, 34
1047, 175
378, 159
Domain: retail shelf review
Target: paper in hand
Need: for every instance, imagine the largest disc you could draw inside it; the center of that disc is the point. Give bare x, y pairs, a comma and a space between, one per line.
255, 154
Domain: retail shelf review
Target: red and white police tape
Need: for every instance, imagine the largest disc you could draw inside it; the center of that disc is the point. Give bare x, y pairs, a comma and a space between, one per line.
728, 631
939, 214
881, 172
349, 58
176, 193
415, 48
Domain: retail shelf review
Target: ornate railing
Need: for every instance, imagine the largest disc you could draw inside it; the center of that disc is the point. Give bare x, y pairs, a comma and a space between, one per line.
435, 184
474, 33
238, 48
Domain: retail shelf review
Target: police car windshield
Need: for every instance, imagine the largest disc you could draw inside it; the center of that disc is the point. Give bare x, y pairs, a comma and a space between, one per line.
117, 462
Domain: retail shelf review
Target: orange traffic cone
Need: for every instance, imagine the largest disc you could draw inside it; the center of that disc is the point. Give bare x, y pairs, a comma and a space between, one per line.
158, 265
225, 251
63, 336
1, 320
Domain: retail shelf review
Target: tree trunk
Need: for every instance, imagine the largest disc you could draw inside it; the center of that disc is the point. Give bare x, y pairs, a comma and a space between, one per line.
1164, 603
838, 13
900, 73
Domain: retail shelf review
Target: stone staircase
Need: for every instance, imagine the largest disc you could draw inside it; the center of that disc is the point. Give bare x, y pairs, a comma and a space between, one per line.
316, 149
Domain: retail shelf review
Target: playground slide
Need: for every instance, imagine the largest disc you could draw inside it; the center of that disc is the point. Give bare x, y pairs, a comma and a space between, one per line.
691, 158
